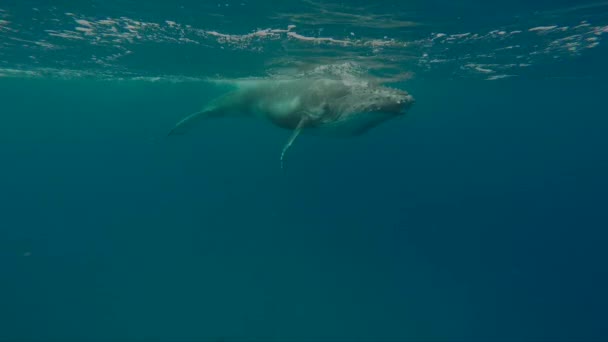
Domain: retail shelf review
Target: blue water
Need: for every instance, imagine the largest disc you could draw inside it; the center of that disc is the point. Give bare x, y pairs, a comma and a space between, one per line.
481, 215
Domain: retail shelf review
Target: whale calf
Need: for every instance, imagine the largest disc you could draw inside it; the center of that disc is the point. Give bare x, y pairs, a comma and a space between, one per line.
319, 106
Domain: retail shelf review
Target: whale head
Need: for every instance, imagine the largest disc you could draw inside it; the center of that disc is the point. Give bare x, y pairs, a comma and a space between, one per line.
389, 101
363, 107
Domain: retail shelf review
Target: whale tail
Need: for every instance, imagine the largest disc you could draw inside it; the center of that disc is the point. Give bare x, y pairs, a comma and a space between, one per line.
187, 123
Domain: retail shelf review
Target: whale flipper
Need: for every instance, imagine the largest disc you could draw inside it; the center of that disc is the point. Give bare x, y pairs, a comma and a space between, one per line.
187, 123
292, 138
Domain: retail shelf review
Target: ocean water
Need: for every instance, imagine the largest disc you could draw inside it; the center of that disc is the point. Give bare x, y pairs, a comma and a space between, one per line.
480, 215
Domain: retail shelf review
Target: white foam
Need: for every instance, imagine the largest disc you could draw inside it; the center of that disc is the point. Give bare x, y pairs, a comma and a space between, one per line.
66, 36
542, 28
317, 39
498, 77
480, 68
83, 22
107, 22
84, 29
4, 26
109, 38
601, 30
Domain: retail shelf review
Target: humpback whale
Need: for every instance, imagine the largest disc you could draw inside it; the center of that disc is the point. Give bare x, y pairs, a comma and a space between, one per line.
318, 106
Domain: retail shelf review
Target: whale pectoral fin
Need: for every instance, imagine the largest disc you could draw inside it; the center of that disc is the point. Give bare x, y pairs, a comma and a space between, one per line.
292, 138
187, 123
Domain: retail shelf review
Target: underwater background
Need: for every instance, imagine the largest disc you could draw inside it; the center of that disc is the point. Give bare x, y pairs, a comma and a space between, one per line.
481, 215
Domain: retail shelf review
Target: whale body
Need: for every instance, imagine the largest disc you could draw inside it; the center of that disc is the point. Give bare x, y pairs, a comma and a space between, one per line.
319, 106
